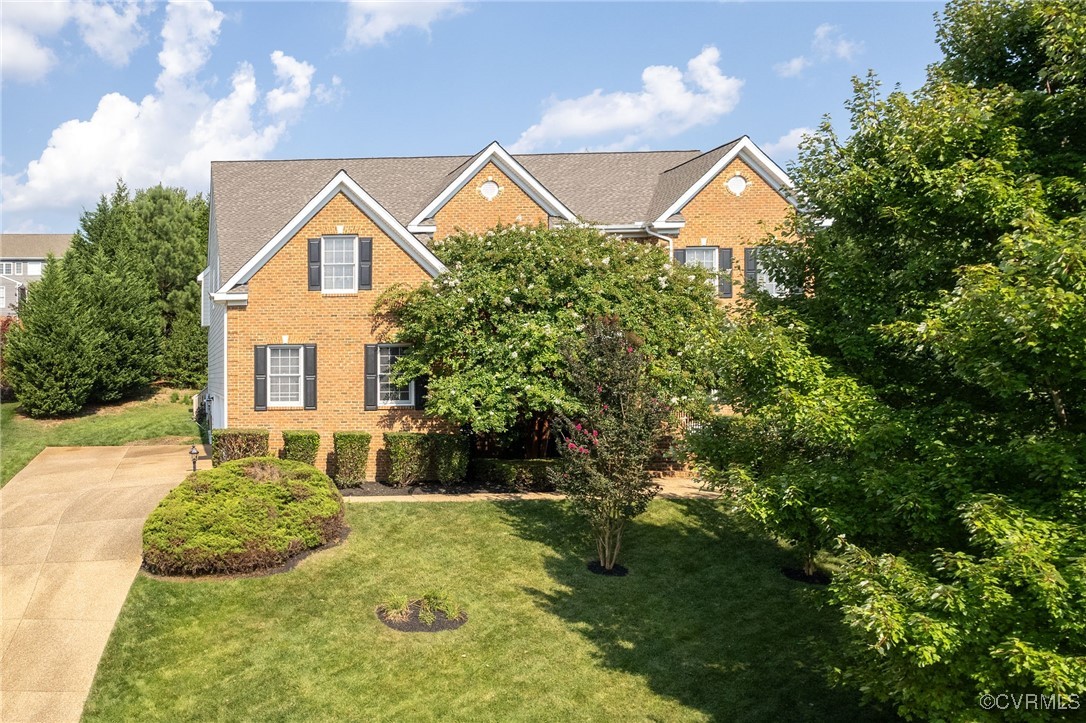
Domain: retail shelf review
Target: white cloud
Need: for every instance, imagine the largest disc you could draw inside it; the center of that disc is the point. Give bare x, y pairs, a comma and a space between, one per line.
793, 67
369, 22
110, 29
170, 135
295, 77
333, 92
786, 145
669, 103
828, 43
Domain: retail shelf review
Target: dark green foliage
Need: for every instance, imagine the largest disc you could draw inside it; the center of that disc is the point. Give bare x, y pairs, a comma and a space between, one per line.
927, 402
408, 459
523, 475
416, 457
230, 444
184, 352
489, 333
351, 452
7, 394
49, 354
607, 446
245, 515
301, 445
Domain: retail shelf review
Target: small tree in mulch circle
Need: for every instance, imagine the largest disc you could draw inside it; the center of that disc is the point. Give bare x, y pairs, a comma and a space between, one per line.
609, 439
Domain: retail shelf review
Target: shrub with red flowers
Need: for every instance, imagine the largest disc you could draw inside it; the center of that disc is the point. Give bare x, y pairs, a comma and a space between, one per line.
608, 439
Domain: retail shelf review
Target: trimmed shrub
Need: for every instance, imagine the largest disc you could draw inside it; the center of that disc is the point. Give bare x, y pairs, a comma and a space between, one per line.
230, 444
416, 457
248, 514
301, 445
351, 454
449, 457
407, 458
523, 475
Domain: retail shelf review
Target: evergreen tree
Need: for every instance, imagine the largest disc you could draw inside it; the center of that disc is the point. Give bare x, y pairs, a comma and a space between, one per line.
49, 352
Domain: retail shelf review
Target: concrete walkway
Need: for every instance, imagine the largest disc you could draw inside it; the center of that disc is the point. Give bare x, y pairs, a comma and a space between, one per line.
670, 488
71, 527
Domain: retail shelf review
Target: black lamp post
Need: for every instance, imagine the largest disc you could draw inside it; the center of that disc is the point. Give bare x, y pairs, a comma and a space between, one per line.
195, 454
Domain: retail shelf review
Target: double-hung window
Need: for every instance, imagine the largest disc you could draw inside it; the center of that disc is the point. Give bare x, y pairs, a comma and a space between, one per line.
715, 260
389, 394
285, 376
11, 267
757, 276
339, 264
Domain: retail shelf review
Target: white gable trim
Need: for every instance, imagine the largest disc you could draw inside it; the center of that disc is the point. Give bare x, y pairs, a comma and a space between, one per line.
510, 167
745, 149
342, 183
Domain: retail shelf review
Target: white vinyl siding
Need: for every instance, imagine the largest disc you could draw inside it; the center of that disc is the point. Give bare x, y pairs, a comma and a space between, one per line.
216, 365
285, 376
388, 394
339, 264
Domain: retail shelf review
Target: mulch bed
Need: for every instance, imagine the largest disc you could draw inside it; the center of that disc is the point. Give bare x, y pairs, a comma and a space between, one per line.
412, 624
596, 568
380, 489
797, 574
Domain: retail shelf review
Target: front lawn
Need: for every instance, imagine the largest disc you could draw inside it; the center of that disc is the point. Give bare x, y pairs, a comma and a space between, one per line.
705, 627
21, 438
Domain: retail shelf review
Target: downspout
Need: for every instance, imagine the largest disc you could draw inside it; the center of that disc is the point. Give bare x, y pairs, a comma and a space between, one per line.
670, 241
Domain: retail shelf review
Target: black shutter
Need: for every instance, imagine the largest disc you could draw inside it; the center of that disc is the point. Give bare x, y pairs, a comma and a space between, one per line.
365, 263
370, 372
750, 269
421, 384
314, 264
309, 391
679, 256
724, 266
260, 378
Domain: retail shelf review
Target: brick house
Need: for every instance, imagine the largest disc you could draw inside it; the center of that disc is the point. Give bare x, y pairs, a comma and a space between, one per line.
300, 250
22, 258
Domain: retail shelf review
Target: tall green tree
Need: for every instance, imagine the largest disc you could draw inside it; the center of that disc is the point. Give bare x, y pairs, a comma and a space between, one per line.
489, 333
944, 335
48, 353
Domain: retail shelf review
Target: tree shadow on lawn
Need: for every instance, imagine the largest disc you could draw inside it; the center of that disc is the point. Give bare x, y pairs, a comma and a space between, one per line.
705, 615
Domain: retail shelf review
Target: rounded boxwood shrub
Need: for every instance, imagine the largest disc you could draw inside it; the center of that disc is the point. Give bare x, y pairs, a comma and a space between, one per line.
245, 515
301, 445
351, 454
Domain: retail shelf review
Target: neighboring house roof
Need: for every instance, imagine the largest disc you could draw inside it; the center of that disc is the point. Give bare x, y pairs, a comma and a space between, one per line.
33, 245
253, 201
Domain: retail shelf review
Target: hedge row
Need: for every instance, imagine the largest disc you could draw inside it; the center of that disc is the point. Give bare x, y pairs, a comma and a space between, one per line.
416, 457
523, 475
351, 450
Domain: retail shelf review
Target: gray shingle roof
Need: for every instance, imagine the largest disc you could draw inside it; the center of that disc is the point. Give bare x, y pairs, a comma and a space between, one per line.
254, 200
674, 181
33, 245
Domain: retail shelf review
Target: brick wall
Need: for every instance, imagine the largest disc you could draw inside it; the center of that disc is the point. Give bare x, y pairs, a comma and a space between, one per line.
729, 221
468, 210
280, 305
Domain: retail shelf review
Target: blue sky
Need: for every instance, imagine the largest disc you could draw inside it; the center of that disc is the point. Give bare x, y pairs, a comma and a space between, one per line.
152, 92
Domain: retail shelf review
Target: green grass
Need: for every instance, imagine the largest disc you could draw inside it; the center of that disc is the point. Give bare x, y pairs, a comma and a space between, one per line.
704, 628
22, 438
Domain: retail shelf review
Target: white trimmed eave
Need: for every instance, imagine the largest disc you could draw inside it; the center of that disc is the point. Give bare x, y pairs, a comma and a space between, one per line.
745, 149
342, 183
510, 167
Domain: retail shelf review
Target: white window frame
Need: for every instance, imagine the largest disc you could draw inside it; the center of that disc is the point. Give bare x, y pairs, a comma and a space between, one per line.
764, 283
410, 401
354, 262
4, 296
33, 268
301, 377
11, 268
714, 273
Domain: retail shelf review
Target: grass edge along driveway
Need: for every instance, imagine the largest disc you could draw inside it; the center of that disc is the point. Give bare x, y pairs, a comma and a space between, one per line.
22, 438
705, 627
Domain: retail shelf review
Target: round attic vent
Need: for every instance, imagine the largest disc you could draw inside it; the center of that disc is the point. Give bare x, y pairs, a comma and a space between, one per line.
737, 184
489, 190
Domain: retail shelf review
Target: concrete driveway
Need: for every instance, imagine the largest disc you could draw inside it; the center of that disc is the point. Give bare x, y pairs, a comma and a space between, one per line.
70, 546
